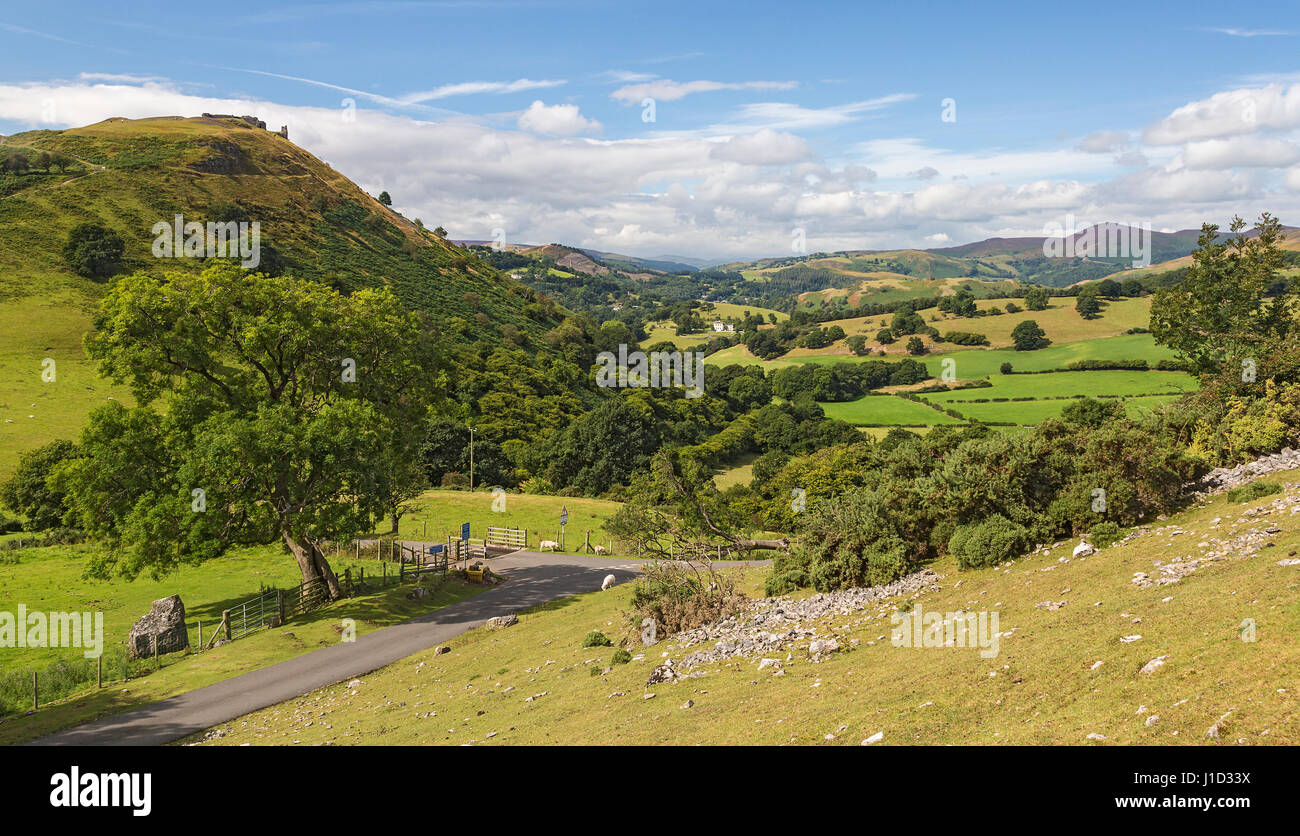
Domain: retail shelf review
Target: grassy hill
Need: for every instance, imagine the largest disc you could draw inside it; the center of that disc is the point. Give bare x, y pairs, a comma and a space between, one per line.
1061, 673
133, 173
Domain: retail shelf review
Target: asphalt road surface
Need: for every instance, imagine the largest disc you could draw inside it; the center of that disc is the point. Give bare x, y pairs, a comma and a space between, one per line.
531, 579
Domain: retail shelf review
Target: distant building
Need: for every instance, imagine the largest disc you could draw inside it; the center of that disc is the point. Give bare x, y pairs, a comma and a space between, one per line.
720, 326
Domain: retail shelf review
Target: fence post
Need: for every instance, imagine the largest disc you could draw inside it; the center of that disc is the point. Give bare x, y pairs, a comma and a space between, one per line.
99, 670
200, 634
225, 619
279, 604
347, 576
36, 693
155, 651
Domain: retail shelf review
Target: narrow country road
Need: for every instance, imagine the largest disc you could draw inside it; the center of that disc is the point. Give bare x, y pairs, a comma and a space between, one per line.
531, 579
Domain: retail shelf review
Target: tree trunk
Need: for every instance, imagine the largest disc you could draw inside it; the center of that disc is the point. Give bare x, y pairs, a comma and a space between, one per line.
396, 517
745, 544
313, 565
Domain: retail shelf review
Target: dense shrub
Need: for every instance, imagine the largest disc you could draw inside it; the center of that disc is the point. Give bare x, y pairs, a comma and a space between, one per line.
849, 542
1104, 534
988, 543
29, 490
596, 639
1255, 490
966, 338
1107, 365
93, 251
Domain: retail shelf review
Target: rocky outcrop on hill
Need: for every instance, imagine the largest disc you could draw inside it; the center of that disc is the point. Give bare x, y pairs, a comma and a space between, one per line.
1226, 478
1255, 529
774, 625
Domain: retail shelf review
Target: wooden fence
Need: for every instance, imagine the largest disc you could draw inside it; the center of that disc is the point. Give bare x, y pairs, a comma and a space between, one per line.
515, 538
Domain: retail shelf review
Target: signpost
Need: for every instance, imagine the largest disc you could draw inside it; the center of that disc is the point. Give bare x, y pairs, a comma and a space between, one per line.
564, 520
464, 531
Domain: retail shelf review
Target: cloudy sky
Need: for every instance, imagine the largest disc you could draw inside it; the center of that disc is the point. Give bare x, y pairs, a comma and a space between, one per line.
715, 130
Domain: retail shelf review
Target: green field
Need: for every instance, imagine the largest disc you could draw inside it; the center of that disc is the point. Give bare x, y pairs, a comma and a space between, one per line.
1035, 412
980, 362
1071, 384
437, 514
984, 362
886, 410
34, 411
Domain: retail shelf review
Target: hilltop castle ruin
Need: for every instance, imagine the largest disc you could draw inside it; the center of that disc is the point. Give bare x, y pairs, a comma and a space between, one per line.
252, 120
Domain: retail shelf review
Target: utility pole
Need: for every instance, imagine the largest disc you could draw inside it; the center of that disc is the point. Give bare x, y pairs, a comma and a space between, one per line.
471, 460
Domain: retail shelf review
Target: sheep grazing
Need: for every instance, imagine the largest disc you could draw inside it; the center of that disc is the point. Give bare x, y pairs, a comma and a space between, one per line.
549, 546
610, 580
602, 550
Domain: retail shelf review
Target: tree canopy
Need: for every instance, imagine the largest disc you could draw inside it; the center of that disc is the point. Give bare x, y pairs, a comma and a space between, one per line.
269, 408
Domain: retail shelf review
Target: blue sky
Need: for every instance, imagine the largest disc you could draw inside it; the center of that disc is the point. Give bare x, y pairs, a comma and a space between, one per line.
527, 118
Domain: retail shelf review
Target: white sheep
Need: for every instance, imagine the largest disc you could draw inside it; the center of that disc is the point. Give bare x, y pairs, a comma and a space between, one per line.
601, 550
549, 546
609, 581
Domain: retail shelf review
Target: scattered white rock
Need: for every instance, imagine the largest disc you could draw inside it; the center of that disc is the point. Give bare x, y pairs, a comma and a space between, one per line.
1154, 665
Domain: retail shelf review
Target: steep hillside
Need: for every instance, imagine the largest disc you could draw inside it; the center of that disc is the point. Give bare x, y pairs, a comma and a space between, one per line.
129, 175
316, 222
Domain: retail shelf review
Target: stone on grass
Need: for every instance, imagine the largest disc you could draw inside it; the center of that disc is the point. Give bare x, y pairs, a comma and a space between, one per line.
164, 622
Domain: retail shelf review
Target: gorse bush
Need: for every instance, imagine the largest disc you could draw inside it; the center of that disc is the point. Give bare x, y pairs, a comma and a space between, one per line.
888, 506
988, 543
1255, 490
596, 639
1104, 534
848, 543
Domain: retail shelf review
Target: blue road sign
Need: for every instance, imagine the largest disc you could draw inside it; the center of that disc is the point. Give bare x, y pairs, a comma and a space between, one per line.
564, 515
464, 531
436, 549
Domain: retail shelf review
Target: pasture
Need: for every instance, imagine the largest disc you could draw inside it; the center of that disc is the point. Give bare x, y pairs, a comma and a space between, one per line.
886, 410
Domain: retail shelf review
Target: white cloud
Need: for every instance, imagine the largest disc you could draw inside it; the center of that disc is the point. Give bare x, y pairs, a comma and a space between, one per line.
1250, 33
1241, 151
666, 90
559, 120
1103, 142
787, 116
469, 88
764, 147
731, 194
1229, 113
